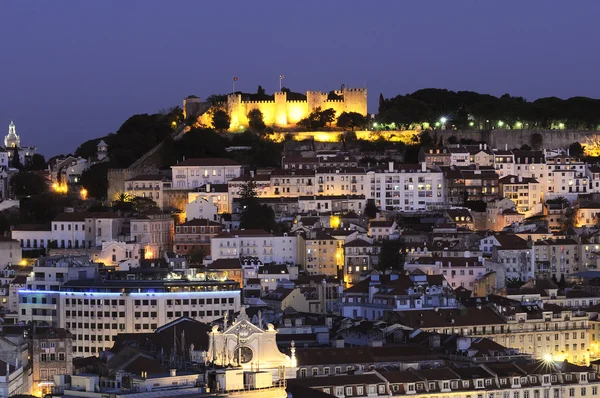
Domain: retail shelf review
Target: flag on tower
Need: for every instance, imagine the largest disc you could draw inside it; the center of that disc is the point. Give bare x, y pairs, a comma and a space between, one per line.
235, 79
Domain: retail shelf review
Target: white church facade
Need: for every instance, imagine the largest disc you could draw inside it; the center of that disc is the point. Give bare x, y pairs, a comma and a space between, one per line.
251, 348
12, 143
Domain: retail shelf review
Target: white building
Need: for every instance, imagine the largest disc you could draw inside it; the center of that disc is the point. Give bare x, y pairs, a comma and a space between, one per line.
200, 208
149, 186
255, 243
10, 251
458, 271
193, 173
48, 275
96, 311
12, 141
113, 253
407, 187
154, 231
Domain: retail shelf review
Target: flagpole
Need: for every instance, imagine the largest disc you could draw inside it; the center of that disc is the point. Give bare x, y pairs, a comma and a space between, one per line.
233, 86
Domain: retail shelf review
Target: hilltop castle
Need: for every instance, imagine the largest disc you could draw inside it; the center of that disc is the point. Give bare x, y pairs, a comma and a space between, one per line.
284, 112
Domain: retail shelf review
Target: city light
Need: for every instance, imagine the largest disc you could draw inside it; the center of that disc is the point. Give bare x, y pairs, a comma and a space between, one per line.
471, 124
519, 125
548, 358
443, 120
60, 188
500, 123
83, 193
561, 125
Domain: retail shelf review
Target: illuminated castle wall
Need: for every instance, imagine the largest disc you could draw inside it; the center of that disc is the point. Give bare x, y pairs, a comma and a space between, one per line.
286, 113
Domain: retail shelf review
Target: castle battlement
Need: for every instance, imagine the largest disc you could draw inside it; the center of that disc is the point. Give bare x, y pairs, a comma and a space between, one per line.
283, 112
258, 102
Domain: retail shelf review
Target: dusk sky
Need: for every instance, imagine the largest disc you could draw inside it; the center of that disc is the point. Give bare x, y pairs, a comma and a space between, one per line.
76, 70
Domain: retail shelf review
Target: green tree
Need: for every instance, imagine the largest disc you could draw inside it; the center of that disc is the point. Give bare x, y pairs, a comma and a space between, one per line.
536, 140
351, 119
27, 183
255, 121
247, 193
371, 209
36, 162
390, 255
326, 117
95, 181
142, 204
221, 120
576, 149
197, 255
258, 216
16, 161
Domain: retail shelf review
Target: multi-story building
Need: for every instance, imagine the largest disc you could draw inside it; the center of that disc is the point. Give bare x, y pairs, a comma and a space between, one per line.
458, 271
149, 186
525, 192
545, 333
112, 254
201, 208
293, 183
341, 181
372, 297
10, 251
470, 184
556, 257
216, 194
52, 355
319, 253
459, 156
514, 257
360, 255
504, 162
406, 187
154, 231
331, 203
492, 380
382, 229
49, 273
567, 177
95, 311
194, 173
434, 156
255, 243
194, 236
480, 154
262, 186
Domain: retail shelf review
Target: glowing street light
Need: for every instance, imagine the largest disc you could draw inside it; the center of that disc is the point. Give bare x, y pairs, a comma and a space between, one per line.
83, 193
561, 125
500, 123
519, 125
471, 124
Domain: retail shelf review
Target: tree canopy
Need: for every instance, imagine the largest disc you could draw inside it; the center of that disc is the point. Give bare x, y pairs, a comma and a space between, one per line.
468, 109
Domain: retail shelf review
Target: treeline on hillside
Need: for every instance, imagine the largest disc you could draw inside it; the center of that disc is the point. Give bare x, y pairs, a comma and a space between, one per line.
471, 110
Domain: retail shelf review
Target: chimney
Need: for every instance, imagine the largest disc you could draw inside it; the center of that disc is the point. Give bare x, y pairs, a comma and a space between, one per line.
485, 147
520, 178
207, 188
506, 146
251, 174
391, 167
423, 166
173, 372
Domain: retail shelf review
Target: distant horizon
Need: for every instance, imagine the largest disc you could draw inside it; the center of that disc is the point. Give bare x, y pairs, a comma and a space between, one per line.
371, 102
75, 70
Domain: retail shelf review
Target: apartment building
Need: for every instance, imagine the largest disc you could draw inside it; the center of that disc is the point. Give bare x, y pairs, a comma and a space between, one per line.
373, 297
217, 194
525, 192
48, 275
149, 186
51, 355
96, 311
193, 173
194, 236
360, 255
321, 253
556, 257
153, 229
341, 181
255, 243
551, 332
514, 257
491, 380
458, 271
504, 162
403, 187
293, 183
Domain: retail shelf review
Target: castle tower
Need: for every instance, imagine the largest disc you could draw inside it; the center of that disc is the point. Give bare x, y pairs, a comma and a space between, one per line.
315, 99
101, 150
281, 109
12, 140
191, 106
234, 108
355, 100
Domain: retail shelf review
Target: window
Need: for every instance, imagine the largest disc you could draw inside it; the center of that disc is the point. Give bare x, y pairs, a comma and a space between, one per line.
571, 392
302, 372
339, 391
315, 371
348, 391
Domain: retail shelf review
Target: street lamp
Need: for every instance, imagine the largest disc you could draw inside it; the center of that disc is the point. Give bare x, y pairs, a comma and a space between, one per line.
500, 123
519, 125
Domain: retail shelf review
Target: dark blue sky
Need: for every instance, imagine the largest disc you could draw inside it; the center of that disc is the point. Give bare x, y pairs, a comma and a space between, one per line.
75, 70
